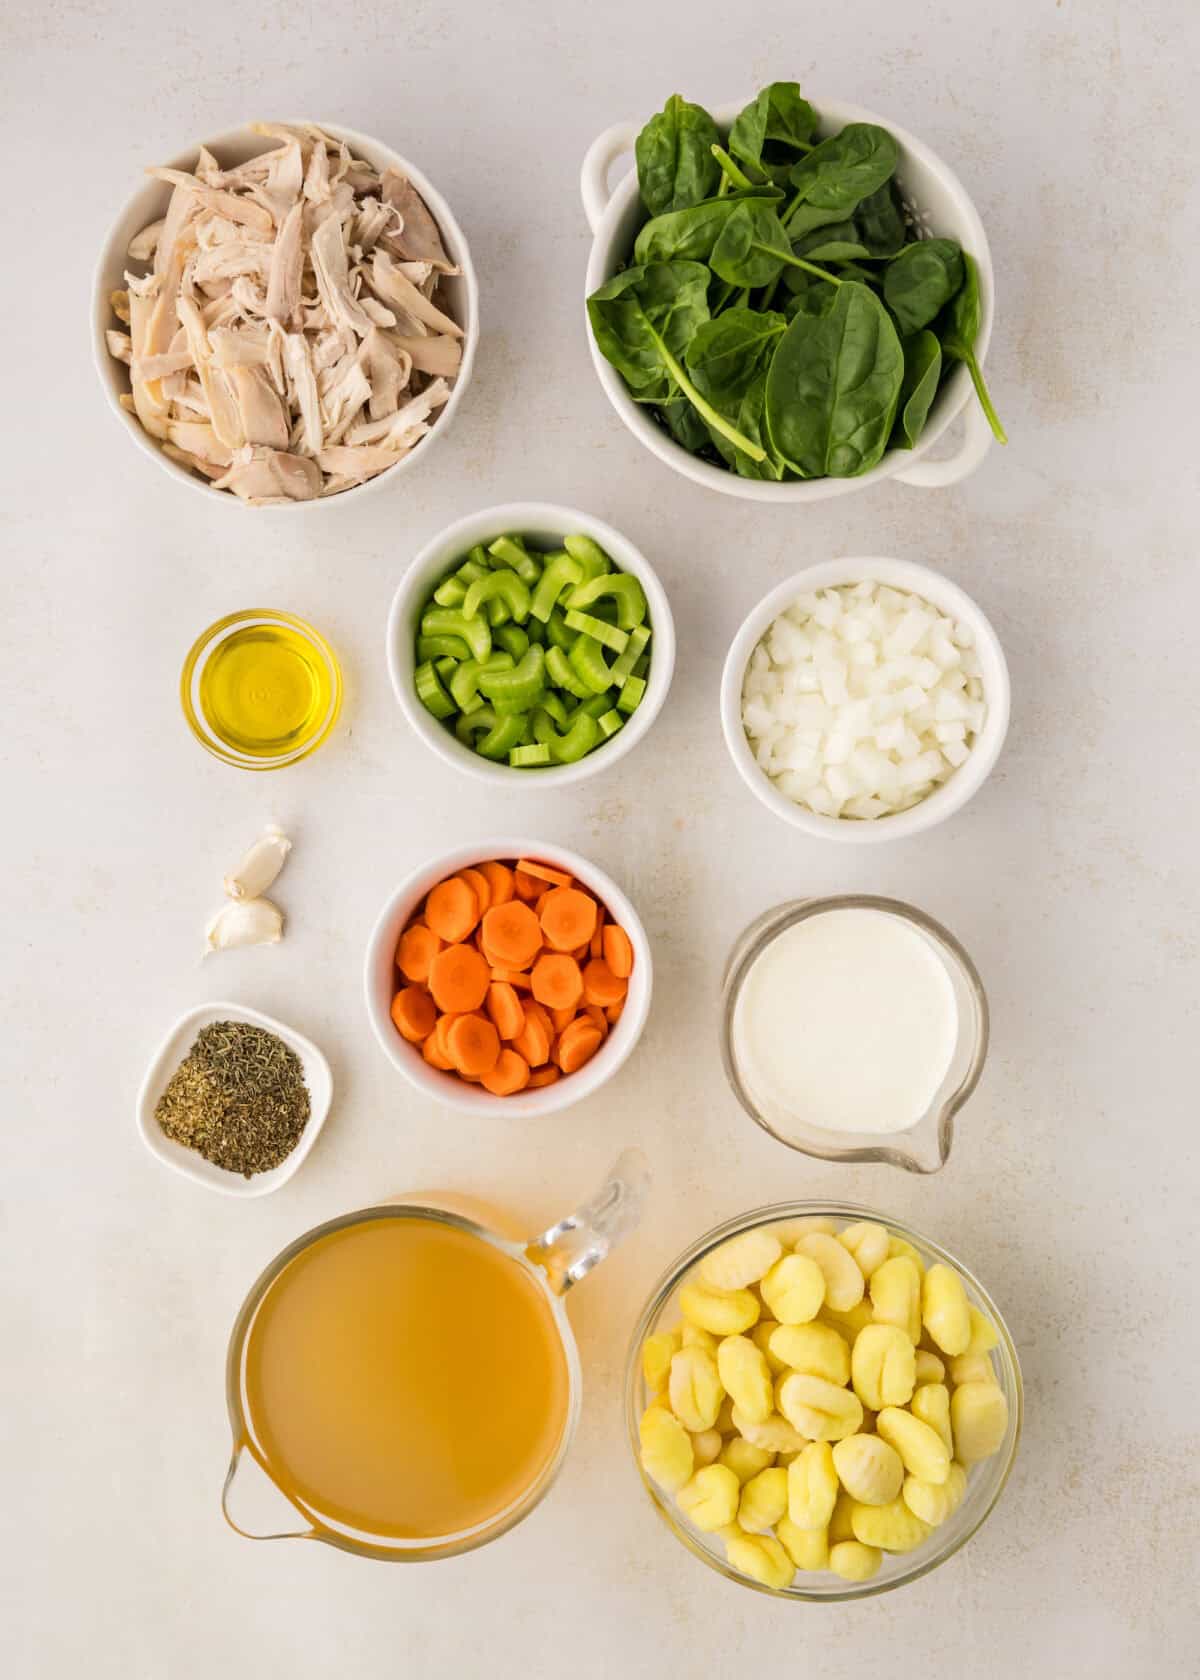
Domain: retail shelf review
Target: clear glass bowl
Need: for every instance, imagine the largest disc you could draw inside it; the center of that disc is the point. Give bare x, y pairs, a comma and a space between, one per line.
317, 649
985, 1482
921, 1148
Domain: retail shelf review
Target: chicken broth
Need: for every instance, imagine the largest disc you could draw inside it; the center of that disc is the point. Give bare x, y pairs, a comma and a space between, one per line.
405, 1378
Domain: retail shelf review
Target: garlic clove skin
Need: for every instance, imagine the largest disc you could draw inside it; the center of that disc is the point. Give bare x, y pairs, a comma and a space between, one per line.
244, 921
261, 864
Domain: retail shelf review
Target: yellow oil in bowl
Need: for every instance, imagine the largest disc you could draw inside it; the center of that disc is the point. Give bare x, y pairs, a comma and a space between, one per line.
261, 689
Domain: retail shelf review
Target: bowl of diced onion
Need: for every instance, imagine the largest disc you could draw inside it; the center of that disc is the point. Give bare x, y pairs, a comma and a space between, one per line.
865, 699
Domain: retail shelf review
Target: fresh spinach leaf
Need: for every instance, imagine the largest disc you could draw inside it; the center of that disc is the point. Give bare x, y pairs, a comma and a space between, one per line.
643, 320
833, 387
728, 360
921, 281
922, 370
675, 164
958, 328
689, 234
807, 294
753, 247
685, 425
776, 125
879, 219
838, 174
837, 243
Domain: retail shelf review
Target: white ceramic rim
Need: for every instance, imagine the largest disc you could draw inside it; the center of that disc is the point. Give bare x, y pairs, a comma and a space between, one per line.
455, 1093
112, 256
951, 401
965, 782
167, 1057
436, 559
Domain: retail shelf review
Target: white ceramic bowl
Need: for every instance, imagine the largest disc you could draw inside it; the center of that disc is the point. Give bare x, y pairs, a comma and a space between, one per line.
380, 979
167, 1058
953, 794
941, 202
545, 524
234, 146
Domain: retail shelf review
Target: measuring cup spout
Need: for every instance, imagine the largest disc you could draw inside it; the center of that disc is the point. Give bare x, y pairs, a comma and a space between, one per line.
252, 1504
569, 1249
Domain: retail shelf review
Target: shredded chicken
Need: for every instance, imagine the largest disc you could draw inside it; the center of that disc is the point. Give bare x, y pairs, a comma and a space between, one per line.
284, 323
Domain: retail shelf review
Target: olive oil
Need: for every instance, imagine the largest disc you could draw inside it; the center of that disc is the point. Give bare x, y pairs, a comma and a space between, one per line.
264, 690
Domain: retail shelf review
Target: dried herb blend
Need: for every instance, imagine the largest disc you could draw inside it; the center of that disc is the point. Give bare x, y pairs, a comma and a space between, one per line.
238, 1098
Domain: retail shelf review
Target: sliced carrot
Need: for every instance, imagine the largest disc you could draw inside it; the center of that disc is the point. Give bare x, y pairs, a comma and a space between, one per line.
543, 872
504, 1007
598, 1018
512, 935
413, 1013
568, 918
499, 878
511, 977
613, 1013
478, 883
581, 953
562, 1019
535, 1009
557, 981
600, 984
533, 1041
417, 948
578, 1045
618, 951
540, 900
452, 909
435, 1057
543, 1076
474, 1045
526, 886
510, 1074
596, 943
459, 978
445, 1022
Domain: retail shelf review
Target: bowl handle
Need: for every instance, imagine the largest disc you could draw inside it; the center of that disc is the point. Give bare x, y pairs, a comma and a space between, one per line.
603, 152
573, 1245
974, 444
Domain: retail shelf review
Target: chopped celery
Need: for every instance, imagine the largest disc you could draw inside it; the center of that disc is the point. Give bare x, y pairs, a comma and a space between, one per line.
630, 697
431, 693
589, 665
622, 587
505, 587
558, 669
610, 723
639, 636
443, 621
511, 551
561, 573
451, 592
529, 757
606, 634
589, 555
512, 639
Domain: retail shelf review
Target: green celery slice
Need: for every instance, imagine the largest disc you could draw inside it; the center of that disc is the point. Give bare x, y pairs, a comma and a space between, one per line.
444, 621
630, 697
621, 587
451, 592
561, 573
529, 757
442, 647
522, 685
588, 553
639, 637
511, 551
431, 693
589, 664
606, 634
513, 640
503, 587
561, 674
610, 723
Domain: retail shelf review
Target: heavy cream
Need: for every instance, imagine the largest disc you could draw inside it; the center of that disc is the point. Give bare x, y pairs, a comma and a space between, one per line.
847, 1022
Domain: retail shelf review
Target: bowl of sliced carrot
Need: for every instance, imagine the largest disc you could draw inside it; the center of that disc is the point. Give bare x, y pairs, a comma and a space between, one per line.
508, 977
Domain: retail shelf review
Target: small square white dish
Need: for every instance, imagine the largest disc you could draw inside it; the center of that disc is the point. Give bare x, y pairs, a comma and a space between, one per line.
166, 1059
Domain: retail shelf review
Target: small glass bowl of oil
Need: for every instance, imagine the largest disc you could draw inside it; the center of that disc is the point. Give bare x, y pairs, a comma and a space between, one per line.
261, 689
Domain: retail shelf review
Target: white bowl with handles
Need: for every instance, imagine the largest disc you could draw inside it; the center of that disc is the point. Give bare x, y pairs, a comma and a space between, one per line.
231, 147
939, 201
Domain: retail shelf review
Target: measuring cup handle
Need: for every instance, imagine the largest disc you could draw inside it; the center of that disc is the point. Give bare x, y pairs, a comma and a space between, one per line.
261, 1488
572, 1246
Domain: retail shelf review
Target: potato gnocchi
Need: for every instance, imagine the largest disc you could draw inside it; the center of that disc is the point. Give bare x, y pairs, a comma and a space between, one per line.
822, 1399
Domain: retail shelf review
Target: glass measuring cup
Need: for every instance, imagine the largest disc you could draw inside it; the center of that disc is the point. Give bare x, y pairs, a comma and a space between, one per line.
253, 1502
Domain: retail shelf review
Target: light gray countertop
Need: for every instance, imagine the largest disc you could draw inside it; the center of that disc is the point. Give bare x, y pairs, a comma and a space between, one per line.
1071, 878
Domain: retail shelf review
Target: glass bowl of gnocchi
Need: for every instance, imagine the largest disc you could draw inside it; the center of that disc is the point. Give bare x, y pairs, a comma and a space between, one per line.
822, 1402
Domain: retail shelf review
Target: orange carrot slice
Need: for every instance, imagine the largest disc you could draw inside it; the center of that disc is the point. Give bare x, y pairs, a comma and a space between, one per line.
452, 909
512, 935
543, 1076
510, 1074
557, 981
511, 977
596, 943
474, 1045
613, 1013
444, 1023
435, 1057
597, 1017
562, 1019
543, 872
533, 1041
578, 1045
600, 984
478, 883
500, 881
526, 886
618, 951
417, 948
459, 979
413, 1013
504, 1007
568, 918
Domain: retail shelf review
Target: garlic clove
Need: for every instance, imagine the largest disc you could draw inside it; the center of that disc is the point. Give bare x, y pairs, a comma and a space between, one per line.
261, 864
244, 921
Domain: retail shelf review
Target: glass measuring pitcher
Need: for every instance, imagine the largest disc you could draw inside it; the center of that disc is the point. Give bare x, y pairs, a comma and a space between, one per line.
405, 1377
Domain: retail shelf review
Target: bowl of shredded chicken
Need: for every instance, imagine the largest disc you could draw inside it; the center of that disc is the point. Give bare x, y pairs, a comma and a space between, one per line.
286, 313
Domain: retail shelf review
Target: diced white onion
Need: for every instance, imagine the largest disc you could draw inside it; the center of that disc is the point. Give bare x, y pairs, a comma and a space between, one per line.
860, 700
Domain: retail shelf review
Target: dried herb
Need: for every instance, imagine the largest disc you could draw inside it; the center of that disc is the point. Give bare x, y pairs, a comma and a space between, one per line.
238, 1098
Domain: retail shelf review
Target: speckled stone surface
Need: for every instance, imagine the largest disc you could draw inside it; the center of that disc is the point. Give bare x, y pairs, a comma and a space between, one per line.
1071, 877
